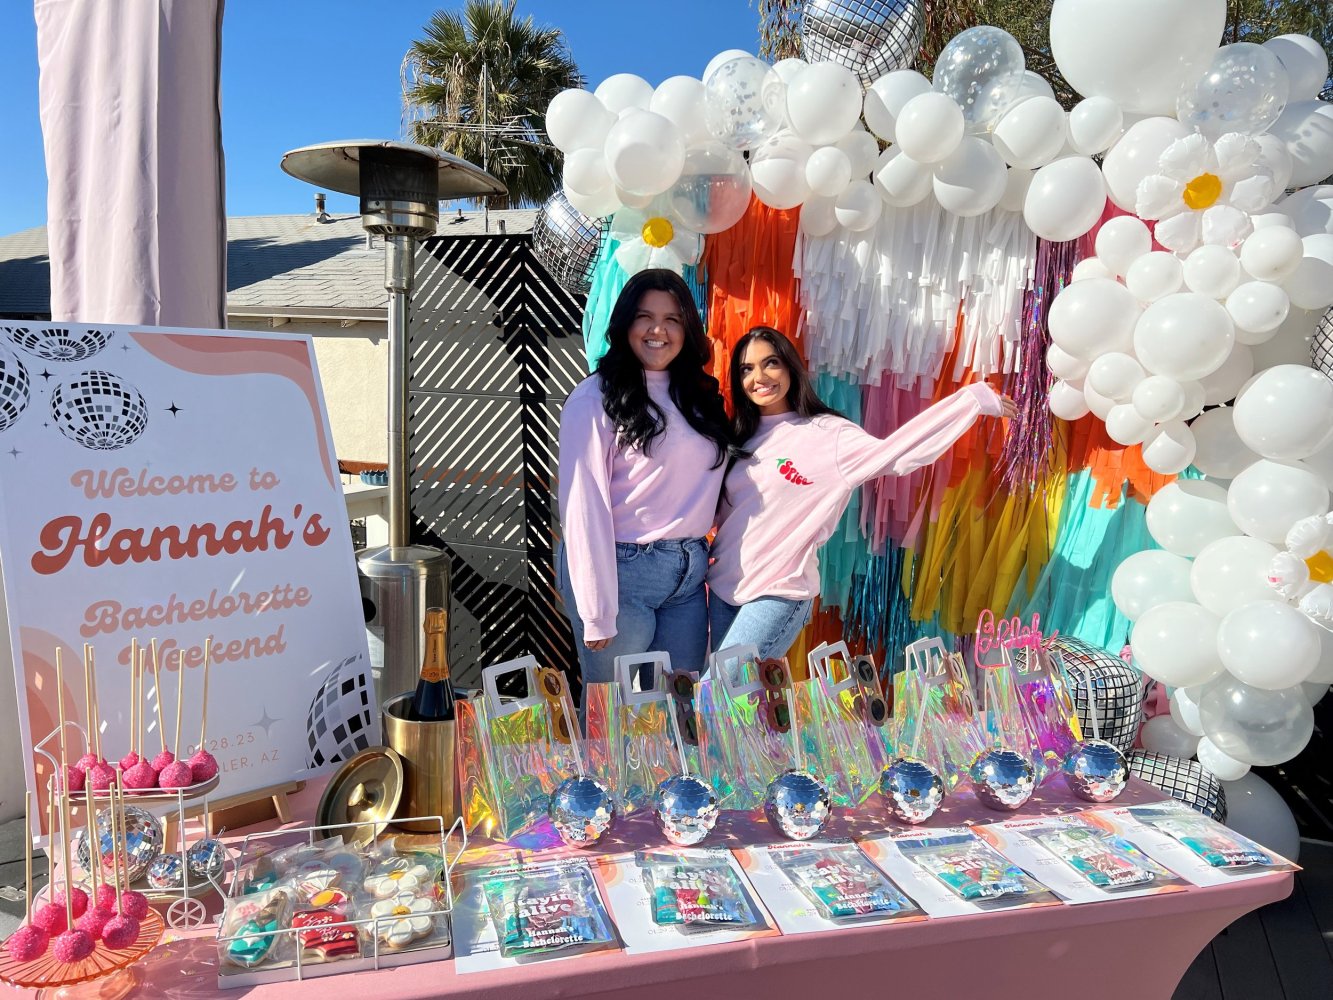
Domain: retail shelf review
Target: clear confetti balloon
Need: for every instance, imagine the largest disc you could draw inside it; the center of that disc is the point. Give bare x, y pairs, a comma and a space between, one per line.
15, 388
713, 190
99, 410
581, 810
206, 858
869, 37
1096, 770
1003, 779
798, 804
1243, 90
686, 809
59, 343
912, 790
166, 872
744, 102
982, 70
142, 843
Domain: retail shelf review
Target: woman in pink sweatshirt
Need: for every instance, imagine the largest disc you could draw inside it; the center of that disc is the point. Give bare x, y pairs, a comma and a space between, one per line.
782, 503
643, 449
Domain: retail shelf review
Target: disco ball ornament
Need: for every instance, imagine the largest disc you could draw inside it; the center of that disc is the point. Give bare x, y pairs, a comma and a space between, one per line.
1116, 687
1185, 780
1321, 346
15, 388
911, 789
143, 843
1096, 770
1003, 779
206, 858
59, 343
166, 872
581, 810
98, 410
686, 809
566, 242
339, 723
797, 804
869, 37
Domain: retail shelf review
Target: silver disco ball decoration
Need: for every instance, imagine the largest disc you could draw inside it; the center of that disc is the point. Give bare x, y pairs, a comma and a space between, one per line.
59, 343
339, 722
581, 810
869, 37
142, 844
798, 804
1185, 780
912, 790
15, 388
1117, 689
686, 809
206, 858
1321, 344
99, 410
566, 242
1003, 779
166, 872
1096, 770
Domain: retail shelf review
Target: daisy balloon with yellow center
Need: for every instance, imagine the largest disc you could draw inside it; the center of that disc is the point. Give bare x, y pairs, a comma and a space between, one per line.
649, 237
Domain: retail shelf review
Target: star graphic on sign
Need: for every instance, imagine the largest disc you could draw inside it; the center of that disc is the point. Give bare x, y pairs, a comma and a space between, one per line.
15, 452
266, 722
173, 409
47, 375
124, 347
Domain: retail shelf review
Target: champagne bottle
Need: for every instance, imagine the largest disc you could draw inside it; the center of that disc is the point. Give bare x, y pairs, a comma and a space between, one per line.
433, 700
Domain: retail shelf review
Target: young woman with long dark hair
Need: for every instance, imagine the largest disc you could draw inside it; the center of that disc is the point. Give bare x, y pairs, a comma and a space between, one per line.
782, 502
643, 448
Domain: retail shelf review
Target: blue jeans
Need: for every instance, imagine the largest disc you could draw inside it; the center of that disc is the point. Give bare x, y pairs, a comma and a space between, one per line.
662, 606
771, 624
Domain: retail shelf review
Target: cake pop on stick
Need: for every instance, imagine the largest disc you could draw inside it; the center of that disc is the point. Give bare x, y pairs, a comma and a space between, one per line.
166, 756
177, 774
203, 765
141, 775
73, 945
133, 902
89, 757
76, 897
50, 916
132, 758
70, 777
96, 916
122, 930
101, 774
29, 941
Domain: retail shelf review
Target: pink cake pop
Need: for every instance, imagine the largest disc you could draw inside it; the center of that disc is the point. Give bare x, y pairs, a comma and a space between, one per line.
139, 775
50, 916
166, 756
203, 765
94, 921
74, 778
29, 941
73, 945
177, 774
106, 897
121, 930
101, 776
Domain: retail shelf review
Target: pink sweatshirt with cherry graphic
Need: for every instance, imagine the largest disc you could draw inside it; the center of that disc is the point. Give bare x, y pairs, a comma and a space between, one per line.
781, 504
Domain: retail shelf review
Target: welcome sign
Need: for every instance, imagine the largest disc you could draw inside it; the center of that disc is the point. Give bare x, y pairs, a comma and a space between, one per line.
180, 485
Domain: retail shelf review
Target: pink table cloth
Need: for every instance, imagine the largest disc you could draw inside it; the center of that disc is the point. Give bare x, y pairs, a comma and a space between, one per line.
1132, 949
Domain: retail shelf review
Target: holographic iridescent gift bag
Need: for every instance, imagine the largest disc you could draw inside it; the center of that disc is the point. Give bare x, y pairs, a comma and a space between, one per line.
841, 716
935, 711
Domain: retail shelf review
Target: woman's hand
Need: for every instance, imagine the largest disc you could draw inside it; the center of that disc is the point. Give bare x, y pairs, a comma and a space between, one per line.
597, 645
1007, 408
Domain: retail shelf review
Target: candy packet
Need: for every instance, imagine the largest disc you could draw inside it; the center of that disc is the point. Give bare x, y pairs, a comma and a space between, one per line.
546, 909
1106, 861
841, 883
1210, 841
696, 890
973, 870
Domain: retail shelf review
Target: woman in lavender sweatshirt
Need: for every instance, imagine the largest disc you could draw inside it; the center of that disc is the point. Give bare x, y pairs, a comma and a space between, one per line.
643, 449
782, 502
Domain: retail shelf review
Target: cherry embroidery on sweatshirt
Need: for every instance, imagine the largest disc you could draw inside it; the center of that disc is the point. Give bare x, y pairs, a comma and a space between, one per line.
788, 472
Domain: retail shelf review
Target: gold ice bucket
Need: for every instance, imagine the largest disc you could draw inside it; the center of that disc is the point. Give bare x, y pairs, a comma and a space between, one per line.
427, 749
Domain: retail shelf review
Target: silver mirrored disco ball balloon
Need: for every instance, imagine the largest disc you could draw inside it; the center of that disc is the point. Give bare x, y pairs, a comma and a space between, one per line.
1096, 770
686, 809
566, 242
1117, 688
143, 843
59, 343
911, 789
869, 37
206, 858
98, 410
581, 810
798, 804
166, 872
1003, 779
1185, 780
15, 388
1321, 345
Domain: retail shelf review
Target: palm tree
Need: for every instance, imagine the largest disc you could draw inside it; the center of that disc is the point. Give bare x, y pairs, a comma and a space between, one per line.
477, 86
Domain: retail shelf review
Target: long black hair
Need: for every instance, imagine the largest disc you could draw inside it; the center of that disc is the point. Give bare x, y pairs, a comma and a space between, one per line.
801, 395
637, 419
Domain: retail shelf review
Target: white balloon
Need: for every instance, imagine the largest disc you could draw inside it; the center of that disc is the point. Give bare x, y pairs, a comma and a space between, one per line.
1135, 156
1311, 284
576, 119
1271, 254
1232, 572
1155, 275
597, 206
929, 127
1256, 811
858, 207
680, 100
886, 97
1089, 318
1099, 404
901, 180
644, 153
1094, 124
861, 150
785, 68
817, 216
1147, 579
1032, 85
1307, 129
828, 171
1323, 671
1274, 158
1121, 241
823, 102
1169, 448
1268, 645
1312, 214
1185, 516
1139, 53
1090, 267
1064, 365
1267, 498
623, 91
1186, 711
1258, 309
1218, 764
1194, 397
585, 172
1066, 199
1067, 401
1223, 385
971, 180
1213, 271
1219, 451
1290, 345
724, 56
1185, 336
1286, 413
1016, 187
1321, 464
1176, 643
1158, 398
1162, 734
1125, 426
1305, 61
1115, 375
777, 168
1031, 133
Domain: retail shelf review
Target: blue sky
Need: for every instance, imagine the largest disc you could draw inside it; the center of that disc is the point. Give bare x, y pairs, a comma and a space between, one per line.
295, 72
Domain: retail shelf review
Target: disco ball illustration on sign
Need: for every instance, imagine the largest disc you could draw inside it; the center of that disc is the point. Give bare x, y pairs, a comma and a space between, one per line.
869, 37
565, 241
99, 410
15, 388
58, 343
339, 722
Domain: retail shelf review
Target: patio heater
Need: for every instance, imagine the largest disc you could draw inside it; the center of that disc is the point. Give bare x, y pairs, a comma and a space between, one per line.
400, 186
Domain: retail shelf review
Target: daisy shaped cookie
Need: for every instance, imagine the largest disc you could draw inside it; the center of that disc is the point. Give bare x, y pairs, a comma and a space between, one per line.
403, 919
407, 878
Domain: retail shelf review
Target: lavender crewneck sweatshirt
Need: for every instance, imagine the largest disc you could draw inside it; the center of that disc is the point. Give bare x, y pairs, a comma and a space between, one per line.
610, 494
783, 502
